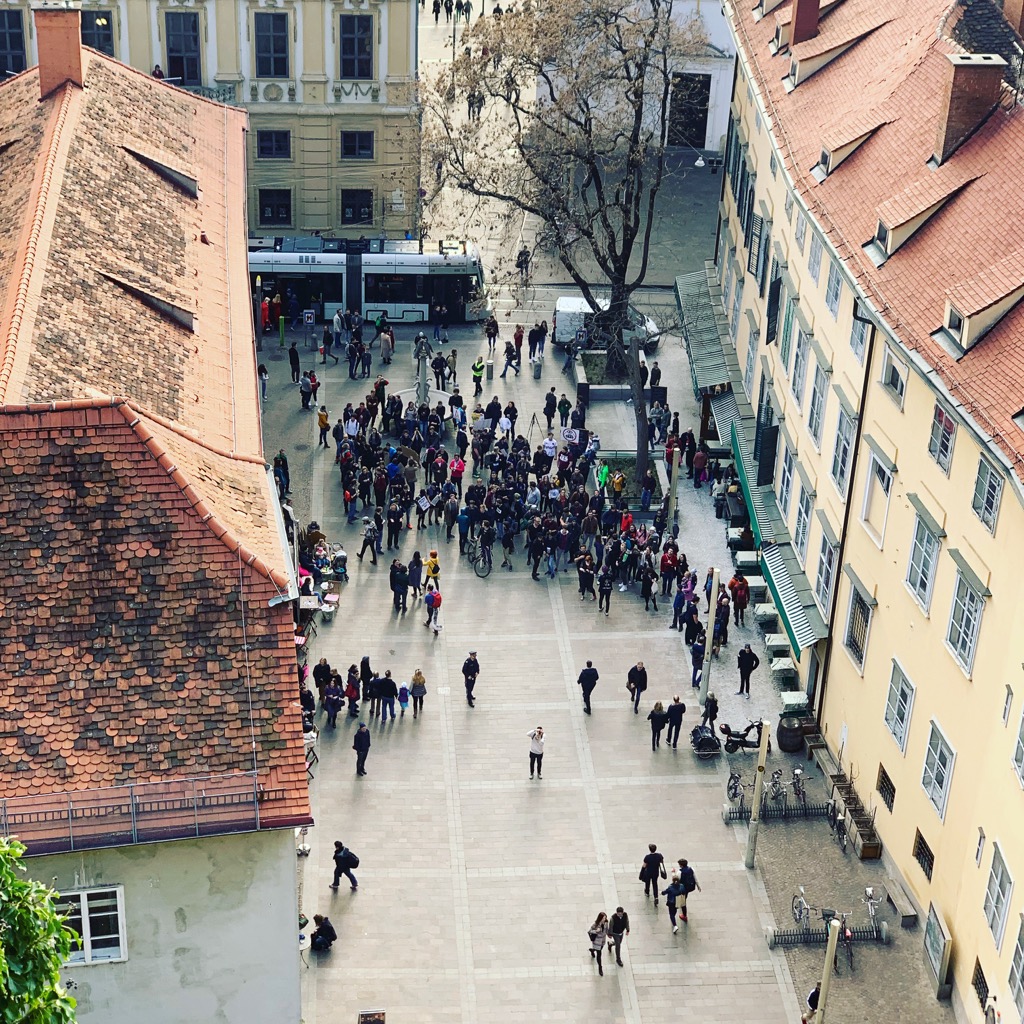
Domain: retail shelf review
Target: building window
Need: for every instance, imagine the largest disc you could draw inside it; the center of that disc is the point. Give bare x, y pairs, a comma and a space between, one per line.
803, 523
1017, 973
97, 917
980, 848
886, 788
800, 231
357, 145
98, 31
921, 572
12, 43
844, 447
799, 366
876, 499
857, 624
184, 66
859, 338
964, 622
834, 289
271, 45
988, 487
955, 324
356, 206
275, 206
786, 338
979, 984
357, 46
788, 207
727, 286
773, 165
826, 574
814, 258
1007, 705
737, 304
785, 480
894, 376
748, 373
898, 706
924, 856
938, 770
273, 145
1018, 752
940, 443
816, 409
997, 895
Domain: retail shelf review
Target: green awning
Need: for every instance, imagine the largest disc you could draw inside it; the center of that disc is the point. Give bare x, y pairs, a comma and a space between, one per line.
700, 326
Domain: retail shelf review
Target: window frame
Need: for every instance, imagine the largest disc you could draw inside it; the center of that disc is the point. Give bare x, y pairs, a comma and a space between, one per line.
874, 478
800, 230
183, 79
786, 335
939, 800
737, 308
798, 379
1016, 978
940, 431
845, 433
857, 596
266, 132
787, 469
921, 527
1017, 759
825, 578
833, 289
83, 956
802, 527
859, 346
897, 696
354, 220
274, 36
814, 257
353, 37
359, 135
978, 506
13, 26
274, 221
751, 363
816, 405
963, 586
996, 905
93, 31
891, 363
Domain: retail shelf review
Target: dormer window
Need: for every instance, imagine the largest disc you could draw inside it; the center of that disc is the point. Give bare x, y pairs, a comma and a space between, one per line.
954, 323
882, 236
823, 160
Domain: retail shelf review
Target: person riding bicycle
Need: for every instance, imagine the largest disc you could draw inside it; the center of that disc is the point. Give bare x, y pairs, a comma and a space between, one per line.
487, 536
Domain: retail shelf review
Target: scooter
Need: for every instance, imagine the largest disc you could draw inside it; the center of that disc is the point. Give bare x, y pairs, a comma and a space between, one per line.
743, 740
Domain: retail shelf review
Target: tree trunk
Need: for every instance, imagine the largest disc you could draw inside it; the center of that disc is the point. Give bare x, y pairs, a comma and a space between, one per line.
639, 406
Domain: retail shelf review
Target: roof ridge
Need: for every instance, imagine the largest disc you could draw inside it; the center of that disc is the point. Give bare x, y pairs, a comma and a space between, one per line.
26, 254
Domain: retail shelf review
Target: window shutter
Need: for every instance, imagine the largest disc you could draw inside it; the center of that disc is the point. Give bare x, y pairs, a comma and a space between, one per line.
774, 295
769, 451
763, 257
752, 239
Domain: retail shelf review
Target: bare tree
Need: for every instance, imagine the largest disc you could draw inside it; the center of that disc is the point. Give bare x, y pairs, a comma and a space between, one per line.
577, 136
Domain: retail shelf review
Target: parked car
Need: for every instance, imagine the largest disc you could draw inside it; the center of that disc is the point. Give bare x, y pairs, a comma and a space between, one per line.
573, 314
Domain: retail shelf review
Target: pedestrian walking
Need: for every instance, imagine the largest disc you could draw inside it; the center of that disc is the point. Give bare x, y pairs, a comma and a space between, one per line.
369, 540
587, 681
418, 692
619, 925
658, 718
675, 712
747, 661
403, 698
710, 711
598, 935
605, 582
296, 363
636, 683
470, 671
333, 702
344, 862
264, 375
432, 569
811, 1013
687, 882
697, 659
387, 691
323, 422
432, 599
305, 389
536, 750
740, 590
361, 745
653, 867
672, 893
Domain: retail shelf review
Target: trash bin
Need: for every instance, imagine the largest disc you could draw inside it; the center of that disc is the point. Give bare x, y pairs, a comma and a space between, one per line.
490, 369
790, 735
538, 365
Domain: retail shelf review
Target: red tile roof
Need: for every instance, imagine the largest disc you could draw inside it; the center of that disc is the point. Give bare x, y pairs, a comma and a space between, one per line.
897, 75
142, 539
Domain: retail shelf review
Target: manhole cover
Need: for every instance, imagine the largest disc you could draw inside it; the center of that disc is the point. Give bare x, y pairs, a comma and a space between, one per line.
301, 447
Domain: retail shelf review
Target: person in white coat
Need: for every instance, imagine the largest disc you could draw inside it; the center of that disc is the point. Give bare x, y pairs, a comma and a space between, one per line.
536, 750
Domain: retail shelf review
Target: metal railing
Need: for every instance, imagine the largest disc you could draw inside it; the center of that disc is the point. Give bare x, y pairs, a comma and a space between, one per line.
219, 93
136, 813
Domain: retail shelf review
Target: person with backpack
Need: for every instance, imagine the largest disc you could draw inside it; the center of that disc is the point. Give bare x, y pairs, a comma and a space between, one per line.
432, 600
324, 936
687, 882
344, 863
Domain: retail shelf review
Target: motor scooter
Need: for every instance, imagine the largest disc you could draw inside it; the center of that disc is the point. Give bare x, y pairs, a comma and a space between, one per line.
743, 740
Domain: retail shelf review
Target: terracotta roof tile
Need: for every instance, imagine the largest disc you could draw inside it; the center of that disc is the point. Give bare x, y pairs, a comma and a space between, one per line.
932, 188
898, 75
988, 286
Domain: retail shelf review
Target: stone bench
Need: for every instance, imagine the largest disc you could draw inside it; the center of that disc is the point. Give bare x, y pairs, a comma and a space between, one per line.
758, 588
747, 561
897, 896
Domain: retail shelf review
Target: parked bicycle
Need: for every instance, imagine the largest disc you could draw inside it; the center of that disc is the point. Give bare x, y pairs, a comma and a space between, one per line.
799, 792
802, 909
837, 825
735, 789
845, 935
776, 789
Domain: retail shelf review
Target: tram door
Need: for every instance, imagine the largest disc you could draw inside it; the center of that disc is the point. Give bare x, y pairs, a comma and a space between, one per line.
449, 290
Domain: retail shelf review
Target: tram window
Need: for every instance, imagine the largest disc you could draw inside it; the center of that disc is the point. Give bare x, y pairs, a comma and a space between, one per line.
392, 288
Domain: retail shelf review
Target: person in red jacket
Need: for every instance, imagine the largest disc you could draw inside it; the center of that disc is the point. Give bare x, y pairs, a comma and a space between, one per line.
740, 590
669, 562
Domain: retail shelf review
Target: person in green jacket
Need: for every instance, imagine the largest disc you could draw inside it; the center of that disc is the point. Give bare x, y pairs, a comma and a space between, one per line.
477, 369
564, 408
603, 472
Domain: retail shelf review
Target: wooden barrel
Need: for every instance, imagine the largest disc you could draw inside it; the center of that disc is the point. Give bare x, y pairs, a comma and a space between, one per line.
790, 735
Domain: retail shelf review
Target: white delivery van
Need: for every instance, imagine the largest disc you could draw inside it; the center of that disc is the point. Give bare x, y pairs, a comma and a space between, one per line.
573, 314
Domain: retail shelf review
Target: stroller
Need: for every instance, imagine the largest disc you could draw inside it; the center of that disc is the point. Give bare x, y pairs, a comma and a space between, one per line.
339, 564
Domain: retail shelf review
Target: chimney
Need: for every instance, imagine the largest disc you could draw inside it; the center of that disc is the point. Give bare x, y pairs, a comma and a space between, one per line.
1013, 12
973, 84
59, 38
804, 24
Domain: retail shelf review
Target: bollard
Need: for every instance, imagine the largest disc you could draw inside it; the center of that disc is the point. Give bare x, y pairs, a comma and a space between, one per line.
280, 326
755, 802
490, 369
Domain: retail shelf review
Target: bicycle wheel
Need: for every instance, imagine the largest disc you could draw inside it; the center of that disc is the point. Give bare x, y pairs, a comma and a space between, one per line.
482, 568
733, 789
798, 909
831, 814
841, 836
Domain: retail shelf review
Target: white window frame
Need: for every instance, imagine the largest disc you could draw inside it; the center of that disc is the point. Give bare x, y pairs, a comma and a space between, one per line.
988, 484
965, 646
800, 231
1018, 752
859, 338
938, 793
942, 438
833, 289
728, 275
998, 893
1016, 981
900, 697
891, 364
748, 373
840, 471
798, 380
814, 257
924, 558
816, 406
787, 464
856, 595
83, 956
737, 308
825, 580
804, 508
875, 477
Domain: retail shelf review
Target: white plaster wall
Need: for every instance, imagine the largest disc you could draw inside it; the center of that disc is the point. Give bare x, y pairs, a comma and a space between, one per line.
211, 930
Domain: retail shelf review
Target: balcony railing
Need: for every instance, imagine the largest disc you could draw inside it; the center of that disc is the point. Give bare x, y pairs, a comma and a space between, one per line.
139, 813
217, 93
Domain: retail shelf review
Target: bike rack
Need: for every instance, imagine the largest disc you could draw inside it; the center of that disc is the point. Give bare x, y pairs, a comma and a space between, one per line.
819, 936
774, 809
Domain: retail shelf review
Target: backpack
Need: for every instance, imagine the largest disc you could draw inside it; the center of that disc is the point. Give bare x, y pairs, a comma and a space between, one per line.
350, 859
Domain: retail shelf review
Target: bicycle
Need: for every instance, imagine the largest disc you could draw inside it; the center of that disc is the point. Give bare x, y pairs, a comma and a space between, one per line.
481, 565
845, 936
837, 826
802, 909
992, 1014
799, 793
879, 928
776, 791
736, 790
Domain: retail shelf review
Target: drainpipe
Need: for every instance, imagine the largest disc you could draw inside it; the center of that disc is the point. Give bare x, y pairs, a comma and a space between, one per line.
830, 640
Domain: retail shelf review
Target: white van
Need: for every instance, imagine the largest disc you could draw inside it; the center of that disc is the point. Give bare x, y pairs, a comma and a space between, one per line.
573, 314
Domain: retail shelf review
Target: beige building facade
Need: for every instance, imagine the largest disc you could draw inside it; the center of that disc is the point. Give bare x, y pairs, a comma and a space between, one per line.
330, 87
868, 380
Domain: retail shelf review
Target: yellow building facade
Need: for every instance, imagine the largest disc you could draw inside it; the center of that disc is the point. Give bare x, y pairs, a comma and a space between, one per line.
330, 87
871, 324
